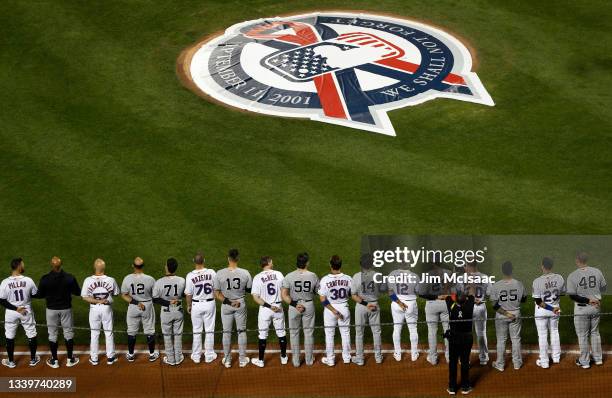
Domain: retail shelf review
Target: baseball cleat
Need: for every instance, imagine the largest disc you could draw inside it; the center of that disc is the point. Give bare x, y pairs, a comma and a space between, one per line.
111, 360
466, 391
9, 364
397, 356
328, 362
414, 357
195, 360
167, 361
434, 362
599, 363
347, 361
358, 362
211, 357
227, 362
181, 359
130, 357
70, 362
498, 367
94, 362
52, 363
542, 365
310, 363
517, 367
284, 360
451, 391
556, 361
258, 362
484, 362
379, 359
581, 365
153, 357
34, 361
242, 362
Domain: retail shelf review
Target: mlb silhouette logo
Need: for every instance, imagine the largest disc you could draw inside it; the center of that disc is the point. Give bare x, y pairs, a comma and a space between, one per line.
346, 51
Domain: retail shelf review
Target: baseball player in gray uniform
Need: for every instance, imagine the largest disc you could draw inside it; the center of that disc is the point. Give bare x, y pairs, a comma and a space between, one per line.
298, 290
137, 290
546, 292
233, 283
585, 286
481, 291
435, 293
507, 296
365, 292
168, 293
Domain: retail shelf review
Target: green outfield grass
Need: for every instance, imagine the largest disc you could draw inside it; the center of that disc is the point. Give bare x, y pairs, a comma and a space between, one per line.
105, 154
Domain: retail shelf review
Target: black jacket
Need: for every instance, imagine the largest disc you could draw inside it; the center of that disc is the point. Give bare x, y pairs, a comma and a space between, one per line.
57, 288
460, 312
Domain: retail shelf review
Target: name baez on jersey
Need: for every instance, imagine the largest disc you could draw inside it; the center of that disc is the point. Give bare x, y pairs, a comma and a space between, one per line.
464, 278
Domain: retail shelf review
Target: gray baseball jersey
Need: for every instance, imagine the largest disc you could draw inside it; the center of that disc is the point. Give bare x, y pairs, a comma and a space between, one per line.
364, 286
405, 284
139, 286
549, 287
508, 293
481, 290
169, 288
233, 283
586, 282
302, 284
437, 288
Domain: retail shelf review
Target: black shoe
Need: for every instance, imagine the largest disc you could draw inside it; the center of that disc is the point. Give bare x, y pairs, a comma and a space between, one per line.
466, 390
451, 391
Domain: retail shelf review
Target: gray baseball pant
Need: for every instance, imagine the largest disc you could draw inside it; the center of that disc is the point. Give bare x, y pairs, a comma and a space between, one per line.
305, 320
364, 317
172, 329
436, 311
503, 326
229, 315
61, 318
586, 322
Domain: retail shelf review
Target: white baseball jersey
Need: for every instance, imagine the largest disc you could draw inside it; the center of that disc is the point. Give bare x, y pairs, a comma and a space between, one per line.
100, 287
336, 288
18, 290
200, 284
549, 287
267, 285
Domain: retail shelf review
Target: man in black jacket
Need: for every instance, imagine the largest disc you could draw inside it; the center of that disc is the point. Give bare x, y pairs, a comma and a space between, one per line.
57, 288
460, 338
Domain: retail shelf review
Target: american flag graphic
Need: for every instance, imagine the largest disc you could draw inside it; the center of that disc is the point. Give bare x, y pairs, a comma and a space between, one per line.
302, 64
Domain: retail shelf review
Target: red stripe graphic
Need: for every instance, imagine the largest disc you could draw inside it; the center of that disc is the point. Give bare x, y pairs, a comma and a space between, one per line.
329, 94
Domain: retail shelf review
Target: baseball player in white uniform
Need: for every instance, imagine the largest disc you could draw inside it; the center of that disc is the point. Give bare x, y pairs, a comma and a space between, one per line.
334, 291
168, 293
98, 291
266, 291
402, 285
137, 291
16, 293
200, 285
547, 291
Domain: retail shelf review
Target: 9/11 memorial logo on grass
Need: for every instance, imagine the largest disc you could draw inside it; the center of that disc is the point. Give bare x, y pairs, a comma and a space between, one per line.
342, 68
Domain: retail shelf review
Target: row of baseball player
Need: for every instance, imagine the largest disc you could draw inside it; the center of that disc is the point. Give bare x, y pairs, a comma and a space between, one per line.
298, 289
